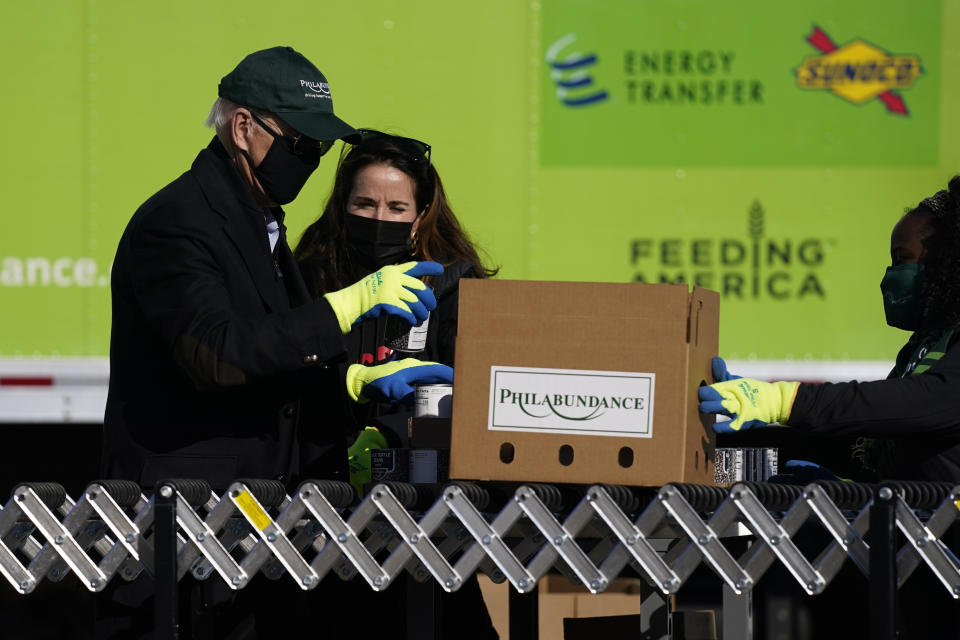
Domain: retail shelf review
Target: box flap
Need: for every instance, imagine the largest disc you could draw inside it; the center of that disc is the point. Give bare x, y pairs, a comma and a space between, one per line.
488, 307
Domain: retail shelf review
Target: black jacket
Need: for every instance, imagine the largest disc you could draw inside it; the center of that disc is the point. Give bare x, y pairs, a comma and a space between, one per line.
214, 342
918, 414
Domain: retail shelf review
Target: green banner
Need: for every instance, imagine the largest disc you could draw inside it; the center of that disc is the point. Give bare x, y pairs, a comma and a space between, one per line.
765, 84
761, 150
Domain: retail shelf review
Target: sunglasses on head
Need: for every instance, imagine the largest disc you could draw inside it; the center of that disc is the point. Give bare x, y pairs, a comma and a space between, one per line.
300, 145
416, 149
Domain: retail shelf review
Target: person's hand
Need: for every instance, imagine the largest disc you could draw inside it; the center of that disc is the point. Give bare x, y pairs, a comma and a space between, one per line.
358, 456
394, 381
394, 290
748, 403
720, 373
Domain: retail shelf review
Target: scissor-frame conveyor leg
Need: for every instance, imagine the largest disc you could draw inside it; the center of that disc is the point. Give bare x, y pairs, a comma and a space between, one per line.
524, 615
883, 565
166, 616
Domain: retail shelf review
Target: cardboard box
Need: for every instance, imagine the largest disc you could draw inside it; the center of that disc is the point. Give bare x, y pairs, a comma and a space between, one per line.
583, 382
559, 599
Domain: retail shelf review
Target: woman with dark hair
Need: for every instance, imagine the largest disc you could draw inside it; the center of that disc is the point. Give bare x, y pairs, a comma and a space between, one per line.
388, 206
908, 424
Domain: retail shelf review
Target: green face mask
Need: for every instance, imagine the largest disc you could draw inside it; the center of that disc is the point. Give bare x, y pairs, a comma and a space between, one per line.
901, 296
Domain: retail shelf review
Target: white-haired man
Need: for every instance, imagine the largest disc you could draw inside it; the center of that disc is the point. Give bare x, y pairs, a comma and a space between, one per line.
215, 341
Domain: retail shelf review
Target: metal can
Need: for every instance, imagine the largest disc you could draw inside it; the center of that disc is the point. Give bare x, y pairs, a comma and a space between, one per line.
434, 401
390, 465
752, 464
400, 336
429, 466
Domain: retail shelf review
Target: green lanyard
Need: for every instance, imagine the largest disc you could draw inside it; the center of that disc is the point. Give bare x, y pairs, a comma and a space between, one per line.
922, 351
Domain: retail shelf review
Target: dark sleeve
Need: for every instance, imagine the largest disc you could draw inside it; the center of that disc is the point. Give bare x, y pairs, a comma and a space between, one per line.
182, 291
442, 336
447, 308
928, 403
311, 276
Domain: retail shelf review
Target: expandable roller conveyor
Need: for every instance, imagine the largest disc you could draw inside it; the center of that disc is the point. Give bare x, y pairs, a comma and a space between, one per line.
518, 534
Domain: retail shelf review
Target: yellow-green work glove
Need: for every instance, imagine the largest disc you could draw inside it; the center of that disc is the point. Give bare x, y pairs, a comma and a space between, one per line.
394, 289
358, 456
394, 381
748, 403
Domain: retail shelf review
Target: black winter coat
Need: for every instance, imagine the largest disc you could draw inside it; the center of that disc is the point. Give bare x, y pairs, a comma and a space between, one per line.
215, 342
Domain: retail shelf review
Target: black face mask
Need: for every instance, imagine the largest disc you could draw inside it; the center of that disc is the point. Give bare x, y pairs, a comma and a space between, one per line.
377, 243
287, 165
282, 173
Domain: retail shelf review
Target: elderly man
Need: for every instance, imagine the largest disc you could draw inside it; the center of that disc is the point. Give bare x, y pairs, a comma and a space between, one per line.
216, 347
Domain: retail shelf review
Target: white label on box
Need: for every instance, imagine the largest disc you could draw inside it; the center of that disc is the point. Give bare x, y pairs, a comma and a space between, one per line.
595, 403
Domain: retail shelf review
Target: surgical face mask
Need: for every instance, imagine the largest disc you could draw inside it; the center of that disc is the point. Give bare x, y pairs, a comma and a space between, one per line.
902, 303
378, 242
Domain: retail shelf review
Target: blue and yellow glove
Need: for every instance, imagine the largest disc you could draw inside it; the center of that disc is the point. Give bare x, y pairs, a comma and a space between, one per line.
394, 289
748, 403
720, 372
394, 381
358, 456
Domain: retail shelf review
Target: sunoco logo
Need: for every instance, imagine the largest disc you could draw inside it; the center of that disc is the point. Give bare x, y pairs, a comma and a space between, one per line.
756, 265
612, 403
858, 72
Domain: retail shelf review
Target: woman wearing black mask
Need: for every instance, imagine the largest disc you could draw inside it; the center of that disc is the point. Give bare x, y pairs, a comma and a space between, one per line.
388, 206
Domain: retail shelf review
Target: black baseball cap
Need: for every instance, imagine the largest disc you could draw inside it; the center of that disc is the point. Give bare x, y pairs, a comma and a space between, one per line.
282, 81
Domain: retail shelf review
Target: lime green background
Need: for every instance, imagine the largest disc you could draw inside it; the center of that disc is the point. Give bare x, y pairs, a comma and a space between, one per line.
105, 104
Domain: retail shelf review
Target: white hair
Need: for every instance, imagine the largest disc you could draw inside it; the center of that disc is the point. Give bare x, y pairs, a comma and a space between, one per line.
220, 113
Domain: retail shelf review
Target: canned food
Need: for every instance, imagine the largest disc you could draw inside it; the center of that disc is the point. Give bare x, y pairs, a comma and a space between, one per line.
390, 465
429, 466
737, 464
400, 336
434, 401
